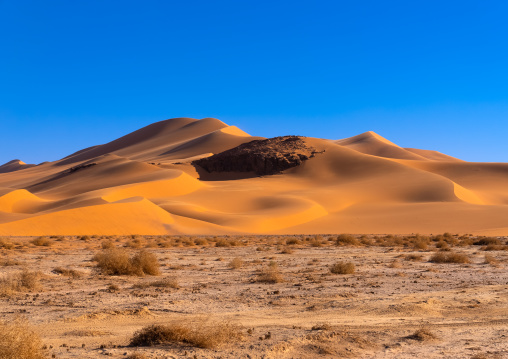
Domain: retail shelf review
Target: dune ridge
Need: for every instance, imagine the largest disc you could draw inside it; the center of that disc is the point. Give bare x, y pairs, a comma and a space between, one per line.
149, 182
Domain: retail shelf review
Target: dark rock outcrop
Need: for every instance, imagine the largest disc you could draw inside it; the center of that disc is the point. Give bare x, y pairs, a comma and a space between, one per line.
263, 157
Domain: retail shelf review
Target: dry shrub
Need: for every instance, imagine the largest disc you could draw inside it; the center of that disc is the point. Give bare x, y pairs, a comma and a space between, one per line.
421, 244
413, 257
145, 262
487, 241
116, 261
169, 282
25, 281
395, 264
449, 257
423, 334
316, 243
200, 241
287, 250
270, 274
236, 263
207, 334
322, 326
346, 239
6, 243
107, 244
495, 247
292, 241
19, 341
8, 262
489, 259
222, 243
343, 268
42, 242
135, 243
68, 272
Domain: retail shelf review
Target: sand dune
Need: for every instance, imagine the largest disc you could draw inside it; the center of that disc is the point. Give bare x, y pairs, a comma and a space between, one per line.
147, 183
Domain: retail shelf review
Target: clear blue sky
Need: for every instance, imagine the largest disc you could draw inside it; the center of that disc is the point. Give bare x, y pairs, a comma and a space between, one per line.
426, 74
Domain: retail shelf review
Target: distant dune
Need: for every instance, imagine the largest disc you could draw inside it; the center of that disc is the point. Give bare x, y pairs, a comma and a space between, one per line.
151, 182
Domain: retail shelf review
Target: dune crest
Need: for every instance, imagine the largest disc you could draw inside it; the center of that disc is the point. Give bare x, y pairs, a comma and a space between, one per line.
185, 175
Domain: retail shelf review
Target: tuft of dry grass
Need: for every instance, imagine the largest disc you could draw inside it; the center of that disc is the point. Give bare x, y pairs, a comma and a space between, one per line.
449, 257
413, 257
236, 263
489, 259
346, 239
107, 244
6, 243
68, 272
343, 268
169, 282
205, 334
116, 261
270, 274
423, 334
25, 281
19, 341
42, 242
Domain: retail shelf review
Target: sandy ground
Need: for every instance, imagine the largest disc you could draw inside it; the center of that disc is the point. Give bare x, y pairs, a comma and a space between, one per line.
312, 313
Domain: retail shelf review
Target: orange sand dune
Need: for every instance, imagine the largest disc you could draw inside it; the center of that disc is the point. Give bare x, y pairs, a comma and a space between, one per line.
145, 183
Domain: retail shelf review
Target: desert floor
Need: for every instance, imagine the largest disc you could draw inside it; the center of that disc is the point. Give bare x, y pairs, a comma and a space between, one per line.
461, 309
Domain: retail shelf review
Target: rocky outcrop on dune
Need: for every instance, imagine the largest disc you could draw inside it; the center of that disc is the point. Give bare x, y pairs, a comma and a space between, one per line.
263, 157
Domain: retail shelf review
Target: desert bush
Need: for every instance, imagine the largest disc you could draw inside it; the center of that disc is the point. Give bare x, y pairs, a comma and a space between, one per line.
343, 268
145, 262
270, 274
42, 241
68, 272
487, 241
200, 241
422, 334
202, 335
449, 257
420, 244
222, 243
293, 241
413, 257
347, 239
236, 263
24, 281
19, 341
116, 261
135, 243
107, 244
168, 282
489, 259
6, 243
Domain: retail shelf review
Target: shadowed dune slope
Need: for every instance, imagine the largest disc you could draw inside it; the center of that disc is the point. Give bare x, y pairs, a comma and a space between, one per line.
146, 183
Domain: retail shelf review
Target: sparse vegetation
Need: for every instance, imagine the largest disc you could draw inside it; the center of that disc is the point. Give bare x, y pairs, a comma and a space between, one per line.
343, 268
19, 341
24, 281
346, 239
6, 243
236, 263
68, 272
203, 335
449, 257
116, 261
423, 334
42, 241
270, 274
